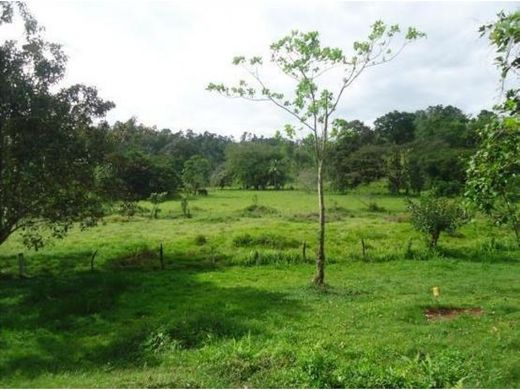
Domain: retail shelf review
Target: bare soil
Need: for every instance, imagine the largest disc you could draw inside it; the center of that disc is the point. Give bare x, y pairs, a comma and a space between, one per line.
445, 313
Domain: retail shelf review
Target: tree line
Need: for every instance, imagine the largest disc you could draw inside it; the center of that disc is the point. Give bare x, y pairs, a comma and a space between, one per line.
425, 150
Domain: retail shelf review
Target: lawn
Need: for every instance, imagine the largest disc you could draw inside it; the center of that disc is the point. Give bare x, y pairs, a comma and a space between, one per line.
234, 306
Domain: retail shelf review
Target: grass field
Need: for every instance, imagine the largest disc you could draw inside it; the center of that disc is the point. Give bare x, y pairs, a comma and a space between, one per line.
234, 306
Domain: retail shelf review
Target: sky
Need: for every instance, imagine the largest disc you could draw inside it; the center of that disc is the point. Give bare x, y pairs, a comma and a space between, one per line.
154, 59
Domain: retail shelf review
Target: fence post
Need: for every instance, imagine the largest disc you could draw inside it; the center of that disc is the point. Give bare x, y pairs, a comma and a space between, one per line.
21, 265
363, 248
304, 251
92, 260
161, 256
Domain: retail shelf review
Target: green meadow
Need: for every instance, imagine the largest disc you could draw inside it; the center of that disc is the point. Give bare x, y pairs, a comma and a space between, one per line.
234, 305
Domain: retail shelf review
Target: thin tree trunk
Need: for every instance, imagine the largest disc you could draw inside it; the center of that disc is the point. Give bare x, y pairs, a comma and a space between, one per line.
3, 236
320, 258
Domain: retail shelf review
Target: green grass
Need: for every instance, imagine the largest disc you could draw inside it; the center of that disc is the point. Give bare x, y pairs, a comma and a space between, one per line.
237, 309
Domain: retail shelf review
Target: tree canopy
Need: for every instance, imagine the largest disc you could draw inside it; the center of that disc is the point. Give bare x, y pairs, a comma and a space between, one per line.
49, 136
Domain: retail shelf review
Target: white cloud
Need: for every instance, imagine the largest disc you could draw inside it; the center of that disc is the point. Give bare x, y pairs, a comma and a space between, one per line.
154, 59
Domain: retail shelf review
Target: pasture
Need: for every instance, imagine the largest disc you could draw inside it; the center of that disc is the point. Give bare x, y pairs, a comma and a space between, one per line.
234, 306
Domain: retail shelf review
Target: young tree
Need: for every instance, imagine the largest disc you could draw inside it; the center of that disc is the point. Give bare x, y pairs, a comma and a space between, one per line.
49, 141
302, 57
433, 215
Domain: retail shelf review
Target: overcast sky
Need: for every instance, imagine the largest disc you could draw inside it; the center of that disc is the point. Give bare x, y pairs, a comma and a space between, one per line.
155, 58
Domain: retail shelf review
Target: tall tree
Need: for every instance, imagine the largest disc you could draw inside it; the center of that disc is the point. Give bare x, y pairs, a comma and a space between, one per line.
302, 57
48, 149
395, 127
256, 164
443, 122
195, 174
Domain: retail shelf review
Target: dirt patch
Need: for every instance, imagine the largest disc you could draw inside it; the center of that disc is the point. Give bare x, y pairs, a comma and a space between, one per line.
446, 313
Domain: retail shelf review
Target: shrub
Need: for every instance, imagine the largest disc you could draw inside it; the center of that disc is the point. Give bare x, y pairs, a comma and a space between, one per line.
432, 215
200, 239
257, 211
127, 209
155, 199
375, 208
131, 209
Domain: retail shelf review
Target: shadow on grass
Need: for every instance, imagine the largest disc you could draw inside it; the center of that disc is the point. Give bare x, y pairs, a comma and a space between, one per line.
41, 262
122, 319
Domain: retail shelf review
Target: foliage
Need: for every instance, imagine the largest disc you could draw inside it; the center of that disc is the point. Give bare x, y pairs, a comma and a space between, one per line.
195, 174
432, 216
363, 166
494, 173
443, 122
395, 127
178, 146
221, 177
50, 142
417, 151
155, 199
434, 164
504, 35
396, 169
139, 174
257, 165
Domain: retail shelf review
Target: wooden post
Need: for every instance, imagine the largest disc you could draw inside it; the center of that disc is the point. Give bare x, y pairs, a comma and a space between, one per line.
92, 260
161, 256
21, 265
304, 251
213, 255
363, 248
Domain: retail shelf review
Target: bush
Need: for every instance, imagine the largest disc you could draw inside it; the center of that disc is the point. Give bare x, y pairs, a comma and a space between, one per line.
432, 215
375, 208
155, 199
131, 209
258, 211
200, 239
